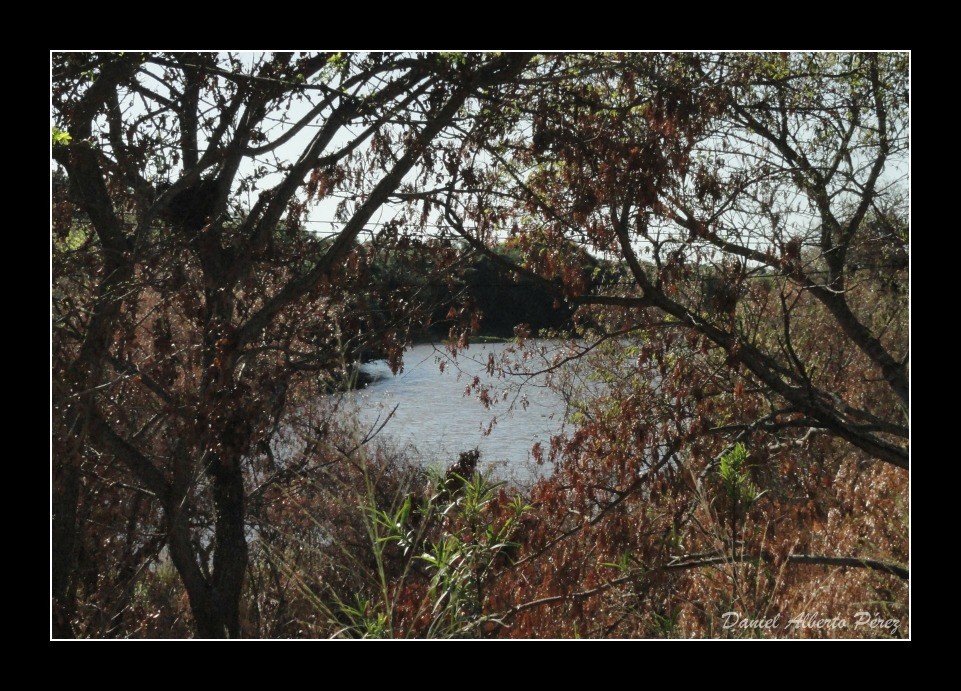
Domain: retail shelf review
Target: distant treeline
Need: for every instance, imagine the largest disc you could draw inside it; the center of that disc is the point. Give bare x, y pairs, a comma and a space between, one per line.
480, 290
504, 301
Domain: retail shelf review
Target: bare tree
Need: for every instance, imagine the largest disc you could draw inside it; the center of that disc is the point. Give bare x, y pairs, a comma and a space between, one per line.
180, 310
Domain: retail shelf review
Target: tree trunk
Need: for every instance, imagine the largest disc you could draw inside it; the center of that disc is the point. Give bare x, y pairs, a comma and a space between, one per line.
224, 433
215, 614
230, 550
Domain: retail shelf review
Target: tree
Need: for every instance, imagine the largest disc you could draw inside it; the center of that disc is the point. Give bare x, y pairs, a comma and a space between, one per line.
737, 167
184, 316
727, 231
757, 206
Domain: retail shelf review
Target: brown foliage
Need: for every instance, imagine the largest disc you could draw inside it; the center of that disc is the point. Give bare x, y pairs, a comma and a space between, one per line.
729, 228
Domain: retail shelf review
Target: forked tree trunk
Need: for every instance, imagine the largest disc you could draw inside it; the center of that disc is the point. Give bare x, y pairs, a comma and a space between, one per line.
214, 600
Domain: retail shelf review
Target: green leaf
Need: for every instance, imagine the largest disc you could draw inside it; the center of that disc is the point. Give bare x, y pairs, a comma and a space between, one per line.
59, 137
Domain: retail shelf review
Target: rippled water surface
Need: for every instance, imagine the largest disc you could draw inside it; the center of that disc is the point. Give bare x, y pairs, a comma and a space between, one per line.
435, 412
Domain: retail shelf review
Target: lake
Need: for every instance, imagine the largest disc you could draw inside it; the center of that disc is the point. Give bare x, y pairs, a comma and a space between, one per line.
438, 408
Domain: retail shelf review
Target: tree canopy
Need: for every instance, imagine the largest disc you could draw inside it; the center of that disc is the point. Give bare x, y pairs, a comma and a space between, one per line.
724, 235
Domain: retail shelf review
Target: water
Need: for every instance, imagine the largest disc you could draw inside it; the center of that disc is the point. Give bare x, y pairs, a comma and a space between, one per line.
437, 405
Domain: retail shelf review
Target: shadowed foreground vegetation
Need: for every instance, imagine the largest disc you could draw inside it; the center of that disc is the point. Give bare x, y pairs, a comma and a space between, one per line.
722, 239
